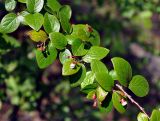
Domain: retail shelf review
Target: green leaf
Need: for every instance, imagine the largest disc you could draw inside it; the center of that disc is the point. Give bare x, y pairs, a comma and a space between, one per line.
139, 86
22, 1
89, 88
116, 102
10, 5
101, 94
123, 70
78, 48
95, 52
51, 23
63, 56
21, 17
94, 38
155, 115
39, 36
106, 105
46, 58
11, 41
97, 67
89, 79
65, 13
58, 40
142, 117
113, 74
67, 70
76, 79
71, 39
81, 31
9, 23
102, 76
35, 21
54, 5
34, 6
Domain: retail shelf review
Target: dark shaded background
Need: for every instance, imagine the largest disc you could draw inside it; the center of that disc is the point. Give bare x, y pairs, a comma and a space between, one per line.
130, 29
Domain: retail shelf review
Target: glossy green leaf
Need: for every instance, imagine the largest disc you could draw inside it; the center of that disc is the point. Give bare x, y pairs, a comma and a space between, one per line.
67, 70
35, 21
63, 56
116, 102
123, 70
101, 94
155, 115
101, 74
71, 39
77, 79
51, 23
65, 13
106, 105
9, 23
81, 31
89, 88
46, 58
78, 48
54, 5
142, 117
113, 74
95, 52
10, 5
105, 80
34, 6
39, 36
89, 79
139, 86
58, 40
98, 67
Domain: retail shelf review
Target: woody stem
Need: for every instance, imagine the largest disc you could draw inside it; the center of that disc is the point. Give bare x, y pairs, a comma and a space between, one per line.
132, 100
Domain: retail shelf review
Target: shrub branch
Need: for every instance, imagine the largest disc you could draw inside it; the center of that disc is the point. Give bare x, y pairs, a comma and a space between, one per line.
132, 100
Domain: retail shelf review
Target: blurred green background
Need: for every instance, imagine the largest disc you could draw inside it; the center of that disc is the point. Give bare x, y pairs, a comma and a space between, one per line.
129, 28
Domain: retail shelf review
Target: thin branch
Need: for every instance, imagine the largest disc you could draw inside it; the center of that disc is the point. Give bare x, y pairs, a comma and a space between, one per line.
132, 100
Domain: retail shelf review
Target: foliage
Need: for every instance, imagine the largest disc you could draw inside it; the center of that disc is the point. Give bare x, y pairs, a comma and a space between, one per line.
76, 46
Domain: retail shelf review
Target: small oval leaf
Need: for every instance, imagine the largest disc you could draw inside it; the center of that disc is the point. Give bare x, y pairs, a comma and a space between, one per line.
54, 5
155, 115
58, 40
142, 117
139, 86
39, 36
123, 70
51, 23
9, 23
65, 13
34, 6
116, 102
67, 70
46, 58
102, 77
95, 52
10, 5
35, 21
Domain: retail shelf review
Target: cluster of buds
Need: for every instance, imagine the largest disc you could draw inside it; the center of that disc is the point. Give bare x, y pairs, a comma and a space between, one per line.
95, 103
